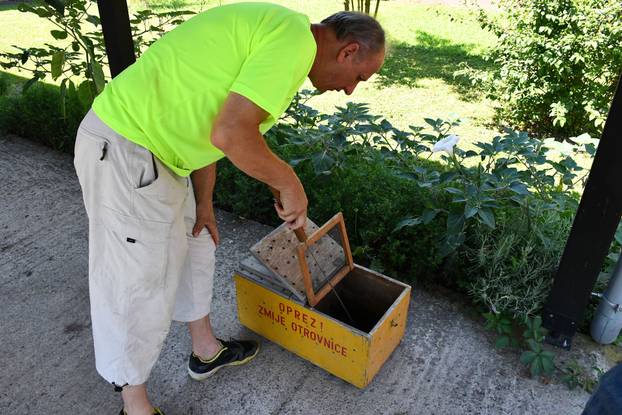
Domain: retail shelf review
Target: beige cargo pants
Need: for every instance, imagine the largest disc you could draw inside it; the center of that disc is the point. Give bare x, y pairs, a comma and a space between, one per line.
145, 267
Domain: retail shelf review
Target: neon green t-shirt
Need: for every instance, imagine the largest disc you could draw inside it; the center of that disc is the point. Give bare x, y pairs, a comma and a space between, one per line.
168, 99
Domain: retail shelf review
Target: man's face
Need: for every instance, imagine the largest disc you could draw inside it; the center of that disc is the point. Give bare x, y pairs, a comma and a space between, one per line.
348, 69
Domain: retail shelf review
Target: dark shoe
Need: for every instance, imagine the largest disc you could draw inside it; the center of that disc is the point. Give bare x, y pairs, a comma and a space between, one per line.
233, 353
156, 411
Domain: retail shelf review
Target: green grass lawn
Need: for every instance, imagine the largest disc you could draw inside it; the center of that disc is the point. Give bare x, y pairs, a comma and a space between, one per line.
426, 45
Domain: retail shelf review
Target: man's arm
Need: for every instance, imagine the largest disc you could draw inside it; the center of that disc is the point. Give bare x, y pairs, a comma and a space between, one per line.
236, 133
203, 181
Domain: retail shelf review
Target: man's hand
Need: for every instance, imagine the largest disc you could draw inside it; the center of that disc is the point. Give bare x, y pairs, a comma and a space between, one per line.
236, 133
291, 205
203, 181
206, 219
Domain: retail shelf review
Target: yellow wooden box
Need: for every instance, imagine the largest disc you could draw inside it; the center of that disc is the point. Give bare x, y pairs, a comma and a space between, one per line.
324, 335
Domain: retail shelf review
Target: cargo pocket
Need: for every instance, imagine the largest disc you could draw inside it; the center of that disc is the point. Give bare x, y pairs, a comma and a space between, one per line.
157, 193
137, 255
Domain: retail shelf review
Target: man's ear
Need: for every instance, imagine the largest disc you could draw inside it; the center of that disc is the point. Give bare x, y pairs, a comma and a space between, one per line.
348, 52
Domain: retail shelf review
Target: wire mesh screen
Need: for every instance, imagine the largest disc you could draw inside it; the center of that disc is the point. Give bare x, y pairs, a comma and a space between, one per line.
325, 258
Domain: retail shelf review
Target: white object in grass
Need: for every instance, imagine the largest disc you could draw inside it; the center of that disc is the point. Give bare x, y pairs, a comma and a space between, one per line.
447, 144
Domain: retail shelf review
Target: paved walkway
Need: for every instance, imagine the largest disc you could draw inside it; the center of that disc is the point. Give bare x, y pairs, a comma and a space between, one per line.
444, 365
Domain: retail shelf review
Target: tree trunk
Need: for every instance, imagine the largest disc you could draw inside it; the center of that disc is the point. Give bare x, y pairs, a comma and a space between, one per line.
376, 11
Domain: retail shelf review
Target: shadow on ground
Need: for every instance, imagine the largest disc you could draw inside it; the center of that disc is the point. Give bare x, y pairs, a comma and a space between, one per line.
8, 5
433, 58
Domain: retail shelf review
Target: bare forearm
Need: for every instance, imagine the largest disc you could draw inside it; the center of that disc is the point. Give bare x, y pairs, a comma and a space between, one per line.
203, 181
236, 133
249, 153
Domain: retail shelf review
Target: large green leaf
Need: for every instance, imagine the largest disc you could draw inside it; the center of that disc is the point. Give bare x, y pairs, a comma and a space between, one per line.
98, 76
453, 191
487, 217
469, 211
85, 93
93, 19
429, 215
455, 222
547, 362
527, 357
63, 98
536, 368
407, 222
502, 342
322, 163
59, 34
58, 60
25, 56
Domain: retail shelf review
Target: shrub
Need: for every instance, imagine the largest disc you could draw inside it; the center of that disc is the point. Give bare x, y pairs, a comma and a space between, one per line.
78, 52
491, 222
37, 115
509, 214
371, 198
512, 268
558, 64
51, 114
4, 84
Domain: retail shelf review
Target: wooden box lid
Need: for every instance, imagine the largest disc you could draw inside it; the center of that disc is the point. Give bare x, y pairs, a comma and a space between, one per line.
307, 268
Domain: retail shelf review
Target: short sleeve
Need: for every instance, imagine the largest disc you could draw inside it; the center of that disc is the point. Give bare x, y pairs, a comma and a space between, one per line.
277, 65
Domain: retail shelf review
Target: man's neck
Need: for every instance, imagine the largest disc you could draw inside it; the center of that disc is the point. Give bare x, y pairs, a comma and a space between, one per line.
320, 34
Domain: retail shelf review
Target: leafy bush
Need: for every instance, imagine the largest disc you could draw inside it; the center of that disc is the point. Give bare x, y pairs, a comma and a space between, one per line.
558, 63
492, 222
4, 84
78, 53
51, 114
37, 115
513, 267
342, 173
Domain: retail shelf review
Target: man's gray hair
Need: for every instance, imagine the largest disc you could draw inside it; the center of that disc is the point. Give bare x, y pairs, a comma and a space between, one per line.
359, 28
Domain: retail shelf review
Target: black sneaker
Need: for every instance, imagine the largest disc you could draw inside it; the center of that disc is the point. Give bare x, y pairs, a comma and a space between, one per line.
156, 411
233, 353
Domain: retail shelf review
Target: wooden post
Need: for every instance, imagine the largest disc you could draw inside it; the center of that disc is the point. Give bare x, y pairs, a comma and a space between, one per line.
117, 32
593, 229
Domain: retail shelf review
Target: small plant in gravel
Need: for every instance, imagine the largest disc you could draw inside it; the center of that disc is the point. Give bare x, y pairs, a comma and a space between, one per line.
503, 325
575, 375
539, 361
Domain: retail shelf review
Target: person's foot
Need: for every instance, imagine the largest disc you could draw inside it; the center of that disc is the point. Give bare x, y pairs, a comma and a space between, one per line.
232, 353
156, 411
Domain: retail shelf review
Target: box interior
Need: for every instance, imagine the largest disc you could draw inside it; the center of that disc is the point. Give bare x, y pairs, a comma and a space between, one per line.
367, 297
